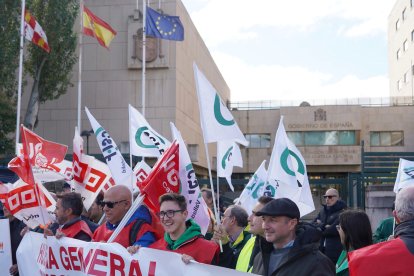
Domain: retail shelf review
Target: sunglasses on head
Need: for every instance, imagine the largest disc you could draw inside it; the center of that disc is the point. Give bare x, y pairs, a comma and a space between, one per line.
329, 196
110, 204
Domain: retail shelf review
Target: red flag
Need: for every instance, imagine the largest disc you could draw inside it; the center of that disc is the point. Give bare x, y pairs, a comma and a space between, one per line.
40, 152
36, 152
163, 178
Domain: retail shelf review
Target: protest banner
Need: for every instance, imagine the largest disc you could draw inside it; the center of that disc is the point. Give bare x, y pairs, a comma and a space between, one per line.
5, 247
39, 256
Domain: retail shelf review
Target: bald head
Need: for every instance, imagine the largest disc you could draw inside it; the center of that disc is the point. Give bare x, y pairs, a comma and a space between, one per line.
117, 201
120, 192
404, 205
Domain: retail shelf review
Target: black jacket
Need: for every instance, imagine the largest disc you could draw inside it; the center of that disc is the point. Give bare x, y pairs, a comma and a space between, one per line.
405, 231
304, 258
331, 242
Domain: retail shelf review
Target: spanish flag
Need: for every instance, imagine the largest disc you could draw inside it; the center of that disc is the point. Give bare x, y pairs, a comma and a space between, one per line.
96, 27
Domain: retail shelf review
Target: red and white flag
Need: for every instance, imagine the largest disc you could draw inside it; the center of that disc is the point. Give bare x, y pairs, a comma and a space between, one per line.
24, 204
34, 32
89, 175
141, 172
37, 152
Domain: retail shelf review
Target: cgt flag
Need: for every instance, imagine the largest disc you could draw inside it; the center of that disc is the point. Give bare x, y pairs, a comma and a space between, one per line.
217, 122
120, 170
287, 172
163, 26
34, 32
95, 27
144, 140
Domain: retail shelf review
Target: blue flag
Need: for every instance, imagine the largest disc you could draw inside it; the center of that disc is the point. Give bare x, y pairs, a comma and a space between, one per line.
163, 26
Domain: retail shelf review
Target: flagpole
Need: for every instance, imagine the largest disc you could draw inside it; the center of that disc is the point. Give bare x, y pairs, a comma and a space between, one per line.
212, 186
271, 159
144, 38
19, 88
80, 67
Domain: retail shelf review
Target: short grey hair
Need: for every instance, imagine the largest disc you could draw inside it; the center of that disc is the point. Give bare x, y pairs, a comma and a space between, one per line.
404, 204
240, 214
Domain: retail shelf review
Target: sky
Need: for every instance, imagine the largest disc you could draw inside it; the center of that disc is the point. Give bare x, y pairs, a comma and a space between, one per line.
297, 50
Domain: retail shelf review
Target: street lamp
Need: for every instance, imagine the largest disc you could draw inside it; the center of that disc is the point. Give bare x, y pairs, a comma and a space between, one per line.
87, 133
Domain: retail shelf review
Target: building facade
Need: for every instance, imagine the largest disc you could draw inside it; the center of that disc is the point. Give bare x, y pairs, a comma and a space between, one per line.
400, 52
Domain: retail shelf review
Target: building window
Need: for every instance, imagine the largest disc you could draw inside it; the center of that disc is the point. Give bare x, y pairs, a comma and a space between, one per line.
405, 45
387, 138
397, 24
193, 152
399, 84
258, 140
412, 3
404, 14
398, 53
324, 138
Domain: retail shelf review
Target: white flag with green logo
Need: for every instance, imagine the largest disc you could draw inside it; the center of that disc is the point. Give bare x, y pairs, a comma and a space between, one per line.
405, 176
254, 189
228, 156
287, 172
196, 206
217, 122
120, 170
143, 139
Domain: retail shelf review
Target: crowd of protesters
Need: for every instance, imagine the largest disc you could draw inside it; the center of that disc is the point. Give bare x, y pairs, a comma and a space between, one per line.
272, 240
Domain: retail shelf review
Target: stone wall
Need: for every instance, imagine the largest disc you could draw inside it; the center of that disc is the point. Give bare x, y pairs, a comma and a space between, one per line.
379, 200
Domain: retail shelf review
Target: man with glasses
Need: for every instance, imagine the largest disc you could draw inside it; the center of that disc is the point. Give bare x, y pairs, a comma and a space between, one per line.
327, 220
292, 246
182, 235
138, 230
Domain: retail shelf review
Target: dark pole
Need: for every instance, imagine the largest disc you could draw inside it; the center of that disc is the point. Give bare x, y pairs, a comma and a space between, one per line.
87, 144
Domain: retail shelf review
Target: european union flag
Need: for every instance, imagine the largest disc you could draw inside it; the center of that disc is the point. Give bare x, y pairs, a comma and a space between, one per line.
163, 26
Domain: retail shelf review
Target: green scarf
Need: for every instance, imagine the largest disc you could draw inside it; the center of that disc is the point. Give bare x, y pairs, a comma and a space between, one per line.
193, 230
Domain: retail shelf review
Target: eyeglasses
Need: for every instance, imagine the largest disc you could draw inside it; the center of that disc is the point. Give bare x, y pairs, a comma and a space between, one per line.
110, 204
338, 227
329, 196
168, 213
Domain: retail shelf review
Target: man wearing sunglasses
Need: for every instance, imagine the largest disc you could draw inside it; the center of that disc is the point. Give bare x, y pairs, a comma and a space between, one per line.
183, 235
138, 230
327, 220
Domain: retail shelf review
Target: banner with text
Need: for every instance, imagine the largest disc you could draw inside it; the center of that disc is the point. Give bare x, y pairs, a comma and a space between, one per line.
5, 247
39, 256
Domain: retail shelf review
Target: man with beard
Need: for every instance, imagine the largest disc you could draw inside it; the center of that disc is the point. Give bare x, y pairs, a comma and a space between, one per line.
68, 212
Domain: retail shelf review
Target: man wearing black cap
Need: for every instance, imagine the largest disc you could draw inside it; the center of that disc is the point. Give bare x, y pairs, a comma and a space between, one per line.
293, 247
